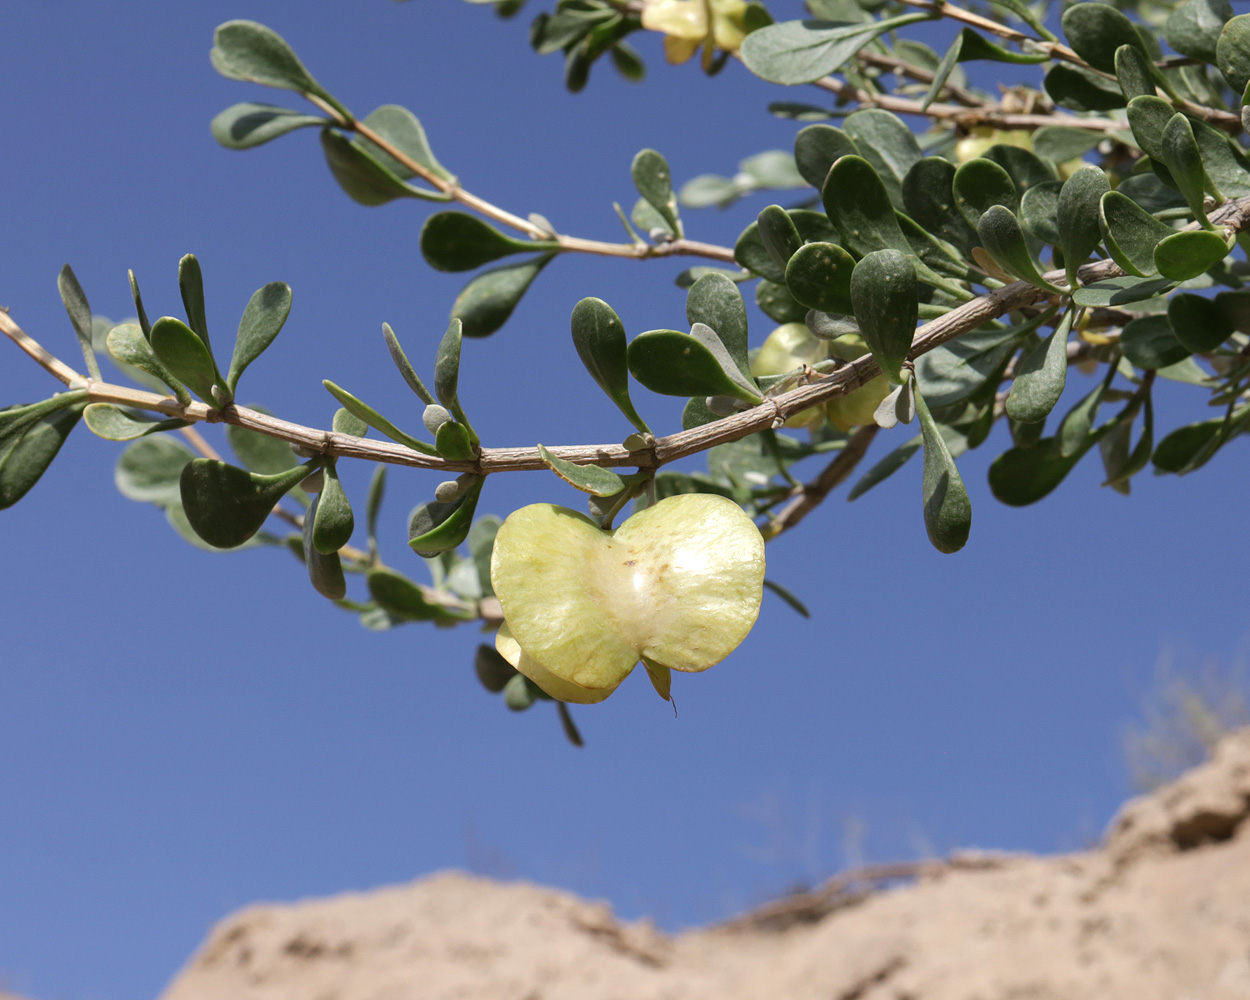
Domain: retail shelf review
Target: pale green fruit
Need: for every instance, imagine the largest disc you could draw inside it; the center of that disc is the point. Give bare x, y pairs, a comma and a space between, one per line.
678, 584
858, 406
788, 347
555, 686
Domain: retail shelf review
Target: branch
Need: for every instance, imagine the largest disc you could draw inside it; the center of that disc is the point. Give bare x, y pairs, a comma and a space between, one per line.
968, 316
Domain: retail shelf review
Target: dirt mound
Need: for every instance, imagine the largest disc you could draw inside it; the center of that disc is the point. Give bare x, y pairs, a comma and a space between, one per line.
1160, 912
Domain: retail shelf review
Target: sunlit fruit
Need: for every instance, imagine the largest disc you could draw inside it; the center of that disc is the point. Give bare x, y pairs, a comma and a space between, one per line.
678, 586
686, 25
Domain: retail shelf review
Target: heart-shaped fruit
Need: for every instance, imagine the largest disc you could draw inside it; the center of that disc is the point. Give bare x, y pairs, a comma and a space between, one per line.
678, 586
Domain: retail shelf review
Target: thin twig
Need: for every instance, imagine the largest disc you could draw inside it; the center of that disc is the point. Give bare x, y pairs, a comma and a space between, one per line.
570, 244
811, 495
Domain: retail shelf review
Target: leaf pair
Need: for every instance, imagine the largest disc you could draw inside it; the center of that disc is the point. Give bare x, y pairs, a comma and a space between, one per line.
709, 361
455, 439
455, 241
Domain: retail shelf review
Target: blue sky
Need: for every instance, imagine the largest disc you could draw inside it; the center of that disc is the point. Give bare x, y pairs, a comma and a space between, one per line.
182, 732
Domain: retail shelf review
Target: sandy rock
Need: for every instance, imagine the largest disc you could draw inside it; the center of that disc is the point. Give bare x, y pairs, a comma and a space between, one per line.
1205, 806
1162, 912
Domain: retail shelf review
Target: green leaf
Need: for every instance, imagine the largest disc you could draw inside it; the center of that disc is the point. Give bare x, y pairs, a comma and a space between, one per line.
1025, 168
264, 316
487, 302
377, 489
454, 241
242, 126
1061, 143
599, 336
1193, 28
857, 202
1148, 342
403, 600
375, 420
453, 442
17, 420
1080, 90
1075, 427
785, 594
325, 570
226, 505
1189, 447
437, 527
890, 146
1077, 217
930, 200
1223, 159
959, 368
885, 468
1096, 30
245, 50
779, 234
977, 47
654, 182
481, 546
944, 68
1148, 117
1041, 376
405, 367
129, 347
1130, 233
884, 290
947, 509
716, 302
79, 311
1180, 154
709, 190
776, 302
1182, 256
1021, 476
114, 424
401, 128
520, 693
803, 51
590, 479
1003, 238
979, 185
1039, 212
186, 357
333, 521
749, 251
24, 459
148, 471
493, 671
817, 147
1121, 291
447, 375
191, 288
360, 174
773, 168
1134, 71
1199, 323
1121, 463
819, 277
260, 452
677, 364
1232, 52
